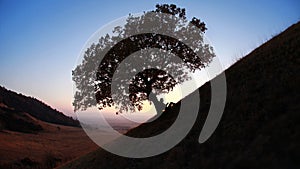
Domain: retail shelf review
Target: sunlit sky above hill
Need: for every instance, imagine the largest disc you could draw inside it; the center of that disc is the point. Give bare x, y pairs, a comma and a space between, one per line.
41, 40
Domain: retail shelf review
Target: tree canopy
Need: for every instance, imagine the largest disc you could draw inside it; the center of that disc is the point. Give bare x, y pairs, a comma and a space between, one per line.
93, 77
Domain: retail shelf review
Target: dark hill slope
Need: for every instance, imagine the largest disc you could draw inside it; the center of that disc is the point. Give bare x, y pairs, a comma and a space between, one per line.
17, 110
18, 121
260, 125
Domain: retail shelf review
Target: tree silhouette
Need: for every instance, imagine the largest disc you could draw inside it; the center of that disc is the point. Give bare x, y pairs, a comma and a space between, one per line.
93, 78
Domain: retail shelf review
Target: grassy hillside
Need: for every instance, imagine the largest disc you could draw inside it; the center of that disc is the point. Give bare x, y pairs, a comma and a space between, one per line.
33, 135
13, 108
53, 146
260, 125
17, 121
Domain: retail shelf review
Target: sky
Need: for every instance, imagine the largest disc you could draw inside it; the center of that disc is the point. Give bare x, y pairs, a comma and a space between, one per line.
41, 40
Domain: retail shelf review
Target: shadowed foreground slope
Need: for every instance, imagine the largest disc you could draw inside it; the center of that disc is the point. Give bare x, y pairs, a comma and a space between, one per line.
260, 125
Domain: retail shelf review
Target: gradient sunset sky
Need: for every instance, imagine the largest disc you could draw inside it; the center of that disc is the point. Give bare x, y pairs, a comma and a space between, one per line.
41, 40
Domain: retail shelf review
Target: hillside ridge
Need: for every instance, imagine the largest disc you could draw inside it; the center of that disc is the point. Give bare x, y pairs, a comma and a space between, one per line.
14, 107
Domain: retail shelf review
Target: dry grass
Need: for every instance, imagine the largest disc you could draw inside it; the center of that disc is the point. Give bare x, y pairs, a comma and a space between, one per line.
55, 145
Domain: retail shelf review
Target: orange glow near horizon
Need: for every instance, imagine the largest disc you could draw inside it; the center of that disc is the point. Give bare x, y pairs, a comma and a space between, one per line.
142, 116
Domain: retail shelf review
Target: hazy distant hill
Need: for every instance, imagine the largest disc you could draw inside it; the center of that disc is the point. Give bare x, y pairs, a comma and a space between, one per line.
260, 125
18, 113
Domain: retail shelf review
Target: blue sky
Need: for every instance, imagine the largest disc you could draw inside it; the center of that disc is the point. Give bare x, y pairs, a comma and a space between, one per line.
41, 40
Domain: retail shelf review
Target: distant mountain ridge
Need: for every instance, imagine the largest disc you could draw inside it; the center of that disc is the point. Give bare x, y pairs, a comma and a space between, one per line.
18, 113
260, 124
